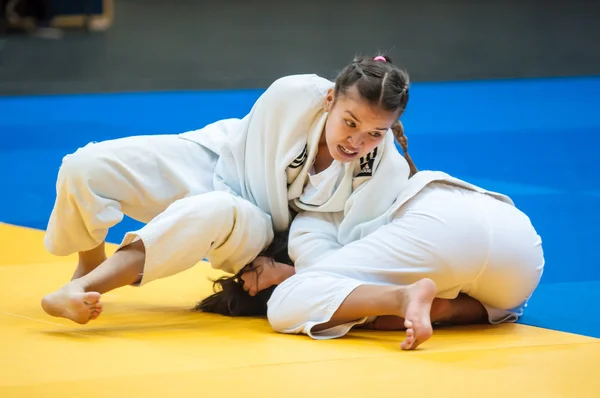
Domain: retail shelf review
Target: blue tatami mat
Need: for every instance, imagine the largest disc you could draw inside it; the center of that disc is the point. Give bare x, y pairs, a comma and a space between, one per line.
568, 307
534, 140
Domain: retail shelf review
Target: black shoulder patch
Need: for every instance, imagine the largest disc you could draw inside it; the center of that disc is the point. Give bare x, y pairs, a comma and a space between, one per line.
366, 164
300, 159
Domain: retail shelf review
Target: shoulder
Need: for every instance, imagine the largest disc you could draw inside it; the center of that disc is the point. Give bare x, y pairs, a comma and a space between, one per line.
307, 85
300, 95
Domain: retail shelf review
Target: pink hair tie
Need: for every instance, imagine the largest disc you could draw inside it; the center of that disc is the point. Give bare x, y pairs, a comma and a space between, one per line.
379, 58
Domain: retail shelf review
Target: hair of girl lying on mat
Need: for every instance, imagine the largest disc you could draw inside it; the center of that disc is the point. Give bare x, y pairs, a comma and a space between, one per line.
231, 299
380, 83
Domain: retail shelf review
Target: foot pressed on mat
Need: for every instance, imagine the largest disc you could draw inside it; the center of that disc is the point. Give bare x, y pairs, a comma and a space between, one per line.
415, 301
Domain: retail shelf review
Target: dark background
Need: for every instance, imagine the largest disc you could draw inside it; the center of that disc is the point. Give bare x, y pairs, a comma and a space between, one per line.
194, 44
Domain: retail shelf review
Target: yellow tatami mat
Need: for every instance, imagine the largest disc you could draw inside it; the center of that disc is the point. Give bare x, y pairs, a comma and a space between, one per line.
147, 343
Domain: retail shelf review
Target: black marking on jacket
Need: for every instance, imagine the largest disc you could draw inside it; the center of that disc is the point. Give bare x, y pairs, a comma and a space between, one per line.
366, 164
300, 159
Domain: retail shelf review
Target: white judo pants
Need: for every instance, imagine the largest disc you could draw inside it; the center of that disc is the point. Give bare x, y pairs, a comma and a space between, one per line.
464, 241
166, 182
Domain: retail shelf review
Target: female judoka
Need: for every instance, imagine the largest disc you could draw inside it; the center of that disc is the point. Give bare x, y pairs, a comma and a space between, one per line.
445, 252
222, 191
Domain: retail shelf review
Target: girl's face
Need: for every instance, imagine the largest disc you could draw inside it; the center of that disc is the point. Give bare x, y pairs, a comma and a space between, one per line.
354, 127
263, 273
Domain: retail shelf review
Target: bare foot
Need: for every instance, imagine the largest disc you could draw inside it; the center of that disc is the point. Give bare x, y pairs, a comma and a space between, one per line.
72, 302
416, 301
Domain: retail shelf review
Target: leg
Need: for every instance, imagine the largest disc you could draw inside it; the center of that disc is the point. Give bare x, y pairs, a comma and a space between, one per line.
79, 300
411, 303
515, 263
501, 290
227, 230
463, 310
325, 305
448, 244
425, 241
89, 260
136, 176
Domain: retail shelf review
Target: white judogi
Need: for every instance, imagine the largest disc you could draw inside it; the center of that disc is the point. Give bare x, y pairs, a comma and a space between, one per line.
216, 193
266, 156
463, 237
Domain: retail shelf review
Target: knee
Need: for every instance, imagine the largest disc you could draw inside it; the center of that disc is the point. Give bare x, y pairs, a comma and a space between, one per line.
80, 166
519, 282
508, 291
285, 315
279, 313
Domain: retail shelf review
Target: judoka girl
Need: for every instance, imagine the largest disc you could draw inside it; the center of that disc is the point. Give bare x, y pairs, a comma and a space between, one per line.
222, 191
445, 252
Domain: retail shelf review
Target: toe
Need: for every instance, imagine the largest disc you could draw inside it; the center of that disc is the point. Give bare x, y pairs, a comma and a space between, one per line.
91, 298
409, 340
407, 343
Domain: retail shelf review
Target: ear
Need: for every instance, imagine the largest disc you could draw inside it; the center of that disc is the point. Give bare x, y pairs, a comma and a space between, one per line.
329, 100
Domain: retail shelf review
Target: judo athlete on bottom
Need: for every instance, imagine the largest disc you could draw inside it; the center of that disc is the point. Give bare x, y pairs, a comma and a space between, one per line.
446, 252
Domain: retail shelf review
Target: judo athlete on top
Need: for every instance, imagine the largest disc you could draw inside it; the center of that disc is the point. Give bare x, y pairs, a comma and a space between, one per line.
220, 193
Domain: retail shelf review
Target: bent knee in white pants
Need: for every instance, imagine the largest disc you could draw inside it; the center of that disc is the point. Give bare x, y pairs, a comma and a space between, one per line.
515, 264
480, 246
138, 176
306, 300
226, 230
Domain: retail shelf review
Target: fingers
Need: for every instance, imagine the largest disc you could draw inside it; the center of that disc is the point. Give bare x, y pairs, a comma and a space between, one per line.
249, 286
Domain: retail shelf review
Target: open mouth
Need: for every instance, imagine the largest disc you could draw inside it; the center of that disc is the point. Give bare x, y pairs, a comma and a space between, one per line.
347, 151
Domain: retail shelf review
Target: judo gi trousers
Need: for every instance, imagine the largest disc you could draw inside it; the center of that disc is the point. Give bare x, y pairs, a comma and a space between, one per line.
465, 241
166, 182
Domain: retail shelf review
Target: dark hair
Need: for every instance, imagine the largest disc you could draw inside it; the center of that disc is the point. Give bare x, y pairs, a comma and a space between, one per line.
383, 84
231, 299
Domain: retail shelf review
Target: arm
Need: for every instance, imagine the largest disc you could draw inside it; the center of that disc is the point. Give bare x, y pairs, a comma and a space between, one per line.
255, 155
313, 237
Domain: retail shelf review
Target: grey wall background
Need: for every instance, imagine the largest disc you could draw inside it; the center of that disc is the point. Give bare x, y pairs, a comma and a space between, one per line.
195, 44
